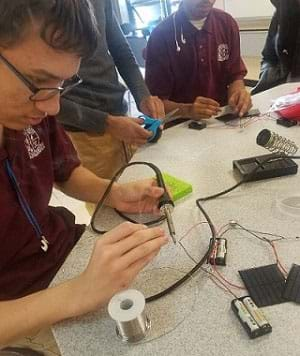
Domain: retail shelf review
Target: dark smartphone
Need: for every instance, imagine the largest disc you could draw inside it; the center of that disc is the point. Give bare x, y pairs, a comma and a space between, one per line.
197, 125
229, 117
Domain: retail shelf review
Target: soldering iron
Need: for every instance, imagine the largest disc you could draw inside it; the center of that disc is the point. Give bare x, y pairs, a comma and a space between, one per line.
166, 205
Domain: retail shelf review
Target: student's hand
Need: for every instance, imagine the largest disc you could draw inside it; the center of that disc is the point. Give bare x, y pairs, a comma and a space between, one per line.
116, 260
153, 107
204, 108
240, 101
136, 197
127, 129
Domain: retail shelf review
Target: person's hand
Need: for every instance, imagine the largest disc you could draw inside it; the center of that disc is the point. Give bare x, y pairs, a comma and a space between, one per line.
127, 129
136, 197
153, 107
204, 108
240, 101
116, 260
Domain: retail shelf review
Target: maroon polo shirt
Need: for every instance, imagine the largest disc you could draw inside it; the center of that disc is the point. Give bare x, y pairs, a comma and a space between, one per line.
206, 64
39, 156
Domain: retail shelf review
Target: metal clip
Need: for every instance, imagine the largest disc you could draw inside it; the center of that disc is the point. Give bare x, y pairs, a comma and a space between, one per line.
44, 244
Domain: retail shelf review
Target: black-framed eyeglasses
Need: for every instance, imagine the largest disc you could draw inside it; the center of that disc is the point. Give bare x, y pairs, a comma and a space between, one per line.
43, 94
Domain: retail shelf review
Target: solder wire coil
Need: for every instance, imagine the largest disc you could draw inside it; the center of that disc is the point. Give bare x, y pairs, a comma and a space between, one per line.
127, 308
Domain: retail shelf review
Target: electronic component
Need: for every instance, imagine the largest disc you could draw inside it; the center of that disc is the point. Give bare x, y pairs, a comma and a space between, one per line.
286, 123
251, 317
265, 284
233, 116
197, 125
276, 143
256, 313
275, 167
166, 206
232, 223
292, 285
218, 252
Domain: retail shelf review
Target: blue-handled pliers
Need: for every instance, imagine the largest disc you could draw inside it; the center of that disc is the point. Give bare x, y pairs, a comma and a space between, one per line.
154, 125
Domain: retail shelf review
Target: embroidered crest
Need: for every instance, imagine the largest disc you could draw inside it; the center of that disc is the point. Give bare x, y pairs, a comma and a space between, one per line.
223, 52
33, 142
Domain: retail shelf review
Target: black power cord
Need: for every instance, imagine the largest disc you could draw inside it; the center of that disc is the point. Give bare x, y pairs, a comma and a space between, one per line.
244, 180
160, 183
194, 269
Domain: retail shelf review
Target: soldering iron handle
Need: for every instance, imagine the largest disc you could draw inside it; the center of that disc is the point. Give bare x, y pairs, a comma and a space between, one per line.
165, 198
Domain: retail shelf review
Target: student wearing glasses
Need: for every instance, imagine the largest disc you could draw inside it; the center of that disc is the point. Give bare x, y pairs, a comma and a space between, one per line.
39, 52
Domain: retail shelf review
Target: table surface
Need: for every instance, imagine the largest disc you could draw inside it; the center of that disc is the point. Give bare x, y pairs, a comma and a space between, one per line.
197, 318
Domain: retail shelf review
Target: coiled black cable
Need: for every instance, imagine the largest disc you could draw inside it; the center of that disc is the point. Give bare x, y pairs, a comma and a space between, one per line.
158, 175
108, 189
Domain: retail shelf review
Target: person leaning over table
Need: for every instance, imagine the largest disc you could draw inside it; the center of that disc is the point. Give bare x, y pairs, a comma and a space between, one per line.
193, 62
41, 45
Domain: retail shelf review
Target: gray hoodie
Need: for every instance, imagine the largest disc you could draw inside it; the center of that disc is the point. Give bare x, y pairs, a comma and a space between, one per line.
87, 106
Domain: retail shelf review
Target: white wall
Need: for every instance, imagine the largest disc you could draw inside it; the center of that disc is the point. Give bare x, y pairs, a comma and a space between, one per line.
252, 43
249, 8
220, 4
246, 8
123, 11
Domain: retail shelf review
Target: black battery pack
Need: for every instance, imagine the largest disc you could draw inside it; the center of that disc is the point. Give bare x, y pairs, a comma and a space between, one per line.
218, 254
251, 317
286, 122
197, 125
276, 167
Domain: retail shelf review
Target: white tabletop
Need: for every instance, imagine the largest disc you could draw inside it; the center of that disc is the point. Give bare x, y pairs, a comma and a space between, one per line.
197, 319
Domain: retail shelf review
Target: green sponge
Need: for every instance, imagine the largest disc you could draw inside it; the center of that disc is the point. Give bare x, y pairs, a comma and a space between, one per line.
178, 188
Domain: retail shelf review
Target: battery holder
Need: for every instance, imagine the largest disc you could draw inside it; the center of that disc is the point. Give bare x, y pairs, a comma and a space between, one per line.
276, 167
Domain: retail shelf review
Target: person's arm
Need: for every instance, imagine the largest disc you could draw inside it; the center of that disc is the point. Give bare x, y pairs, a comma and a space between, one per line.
201, 108
127, 129
75, 114
135, 197
123, 57
238, 97
117, 258
158, 71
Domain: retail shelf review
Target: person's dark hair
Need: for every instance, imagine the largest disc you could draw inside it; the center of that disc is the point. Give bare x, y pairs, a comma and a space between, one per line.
67, 25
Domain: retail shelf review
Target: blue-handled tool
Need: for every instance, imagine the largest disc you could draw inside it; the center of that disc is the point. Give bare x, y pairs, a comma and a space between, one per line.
154, 125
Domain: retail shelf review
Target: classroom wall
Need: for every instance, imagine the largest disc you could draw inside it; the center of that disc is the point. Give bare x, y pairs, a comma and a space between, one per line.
246, 8
252, 14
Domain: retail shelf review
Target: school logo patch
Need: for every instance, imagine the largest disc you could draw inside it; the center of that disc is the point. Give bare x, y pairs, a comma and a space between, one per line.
33, 143
223, 52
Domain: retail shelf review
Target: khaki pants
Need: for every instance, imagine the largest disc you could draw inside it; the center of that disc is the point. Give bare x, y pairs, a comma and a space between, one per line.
103, 154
